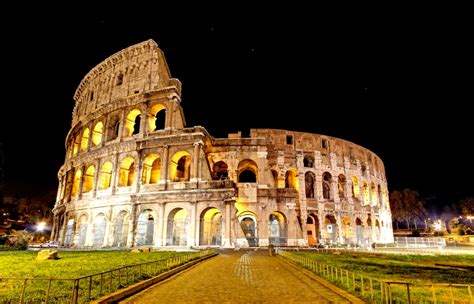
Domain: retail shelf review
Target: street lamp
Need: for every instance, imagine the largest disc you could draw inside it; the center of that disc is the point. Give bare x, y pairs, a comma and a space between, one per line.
40, 227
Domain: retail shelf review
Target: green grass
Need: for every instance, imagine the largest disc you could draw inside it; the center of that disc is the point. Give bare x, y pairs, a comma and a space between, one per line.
72, 263
408, 268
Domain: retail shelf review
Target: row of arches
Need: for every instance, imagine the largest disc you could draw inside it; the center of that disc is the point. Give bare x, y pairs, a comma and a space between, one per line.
85, 138
82, 233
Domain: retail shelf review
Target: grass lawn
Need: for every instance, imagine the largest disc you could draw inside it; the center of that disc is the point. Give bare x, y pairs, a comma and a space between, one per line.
409, 268
72, 263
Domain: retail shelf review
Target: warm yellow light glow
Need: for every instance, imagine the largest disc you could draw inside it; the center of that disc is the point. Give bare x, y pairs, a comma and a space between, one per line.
75, 147
373, 191
365, 192
76, 182
151, 169
291, 179
152, 118
40, 226
97, 133
355, 187
180, 166
85, 139
88, 182
130, 122
105, 175
181, 215
127, 172
247, 165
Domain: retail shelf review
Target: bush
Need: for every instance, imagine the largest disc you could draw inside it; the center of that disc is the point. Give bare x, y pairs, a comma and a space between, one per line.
415, 233
19, 240
438, 233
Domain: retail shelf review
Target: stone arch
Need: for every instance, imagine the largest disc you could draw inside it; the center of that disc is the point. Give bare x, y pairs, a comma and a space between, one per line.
247, 171
76, 182
341, 186
275, 178
277, 229
210, 226
331, 228
145, 228
248, 224
309, 181
76, 143
157, 118
291, 179
373, 194
379, 195
355, 187
365, 192
220, 170
85, 139
113, 127
325, 143
127, 172
88, 179
68, 238
97, 133
308, 161
359, 231
132, 123
99, 230
151, 169
326, 184
178, 226
312, 229
105, 175
377, 230
180, 166
121, 229
346, 229
82, 230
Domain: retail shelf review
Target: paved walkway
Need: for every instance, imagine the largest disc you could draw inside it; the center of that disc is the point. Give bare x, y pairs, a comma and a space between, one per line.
239, 277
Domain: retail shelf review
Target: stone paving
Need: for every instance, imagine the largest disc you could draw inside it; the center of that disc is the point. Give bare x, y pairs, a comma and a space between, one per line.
239, 277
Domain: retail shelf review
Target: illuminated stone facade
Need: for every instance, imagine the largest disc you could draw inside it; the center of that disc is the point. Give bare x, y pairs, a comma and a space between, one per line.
135, 175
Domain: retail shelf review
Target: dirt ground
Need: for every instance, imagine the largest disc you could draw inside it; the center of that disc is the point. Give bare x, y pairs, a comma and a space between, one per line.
239, 277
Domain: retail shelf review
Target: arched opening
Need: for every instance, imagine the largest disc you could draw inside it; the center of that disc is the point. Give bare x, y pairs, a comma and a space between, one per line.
88, 182
379, 194
132, 123
220, 170
76, 144
346, 229
97, 133
291, 179
327, 180
157, 118
277, 229
178, 221
113, 127
85, 139
309, 179
325, 144
365, 192
359, 231
69, 232
210, 227
275, 178
369, 229
248, 223
127, 172
341, 185
377, 230
331, 228
355, 187
76, 182
247, 171
373, 193
312, 229
145, 228
81, 239
151, 169
180, 167
121, 229
119, 80
308, 161
99, 230
105, 175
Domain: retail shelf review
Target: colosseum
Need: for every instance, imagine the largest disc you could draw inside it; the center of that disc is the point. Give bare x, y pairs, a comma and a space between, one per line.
136, 175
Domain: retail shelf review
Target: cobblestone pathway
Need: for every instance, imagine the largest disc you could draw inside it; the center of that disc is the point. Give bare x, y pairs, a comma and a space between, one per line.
239, 277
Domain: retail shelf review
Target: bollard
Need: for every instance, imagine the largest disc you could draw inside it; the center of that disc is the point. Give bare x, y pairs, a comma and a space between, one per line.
271, 250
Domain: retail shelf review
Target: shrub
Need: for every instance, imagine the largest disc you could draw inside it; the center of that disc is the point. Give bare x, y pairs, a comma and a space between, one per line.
415, 233
19, 240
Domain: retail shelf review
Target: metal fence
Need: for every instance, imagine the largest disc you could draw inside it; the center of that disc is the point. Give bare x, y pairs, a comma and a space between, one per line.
385, 291
416, 242
86, 288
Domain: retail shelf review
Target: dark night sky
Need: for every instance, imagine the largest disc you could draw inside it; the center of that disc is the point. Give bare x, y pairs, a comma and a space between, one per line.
395, 84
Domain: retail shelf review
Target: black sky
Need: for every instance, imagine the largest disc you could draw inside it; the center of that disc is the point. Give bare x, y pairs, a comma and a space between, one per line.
398, 84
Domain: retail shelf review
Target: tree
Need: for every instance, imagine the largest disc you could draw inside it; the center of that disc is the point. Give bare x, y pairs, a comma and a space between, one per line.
407, 205
466, 206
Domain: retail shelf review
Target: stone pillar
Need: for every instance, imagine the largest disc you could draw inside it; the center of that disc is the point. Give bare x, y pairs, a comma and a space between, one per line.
63, 229
121, 125
192, 235
164, 178
163, 225
195, 167
133, 226
226, 240
139, 173
335, 189
96, 178
81, 182
115, 173
348, 189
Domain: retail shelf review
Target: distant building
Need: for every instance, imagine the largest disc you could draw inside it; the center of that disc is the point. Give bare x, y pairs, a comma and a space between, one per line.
136, 175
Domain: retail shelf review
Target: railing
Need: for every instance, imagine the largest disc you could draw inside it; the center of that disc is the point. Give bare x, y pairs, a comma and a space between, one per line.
385, 291
86, 288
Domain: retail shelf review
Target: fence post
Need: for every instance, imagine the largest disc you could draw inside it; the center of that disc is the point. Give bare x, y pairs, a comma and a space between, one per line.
470, 293
371, 289
408, 293
101, 281
90, 289
76, 291
451, 293
47, 291
23, 288
433, 292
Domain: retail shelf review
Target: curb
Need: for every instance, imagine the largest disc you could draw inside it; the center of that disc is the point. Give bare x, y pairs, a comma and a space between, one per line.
346, 295
135, 288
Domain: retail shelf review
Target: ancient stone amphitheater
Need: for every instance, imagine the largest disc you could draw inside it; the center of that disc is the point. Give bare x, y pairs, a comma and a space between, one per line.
136, 175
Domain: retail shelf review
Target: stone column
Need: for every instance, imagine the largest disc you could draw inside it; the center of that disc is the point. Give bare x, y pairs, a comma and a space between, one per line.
226, 241
139, 174
163, 225
335, 189
195, 167
115, 174
164, 167
122, 123
96, 178
81, 182
63, 229
193, 231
